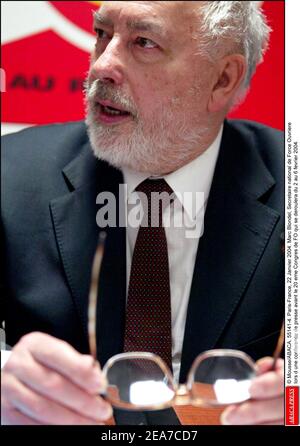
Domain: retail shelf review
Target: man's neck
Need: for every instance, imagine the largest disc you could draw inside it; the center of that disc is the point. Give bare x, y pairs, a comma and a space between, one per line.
207, 141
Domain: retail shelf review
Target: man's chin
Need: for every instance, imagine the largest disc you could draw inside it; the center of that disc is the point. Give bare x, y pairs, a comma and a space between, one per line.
111, 156
120, 159
113, 145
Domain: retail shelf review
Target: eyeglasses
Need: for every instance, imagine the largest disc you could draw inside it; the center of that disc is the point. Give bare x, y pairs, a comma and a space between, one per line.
142, 381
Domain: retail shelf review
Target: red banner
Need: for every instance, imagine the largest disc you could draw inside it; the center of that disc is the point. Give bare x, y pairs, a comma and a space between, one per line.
45, 69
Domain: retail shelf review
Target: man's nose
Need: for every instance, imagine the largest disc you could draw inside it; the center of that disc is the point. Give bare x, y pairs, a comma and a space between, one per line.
108, 66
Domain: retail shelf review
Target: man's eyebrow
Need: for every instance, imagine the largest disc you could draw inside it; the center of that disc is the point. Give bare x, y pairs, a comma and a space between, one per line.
102, 20
145, 25
132, 24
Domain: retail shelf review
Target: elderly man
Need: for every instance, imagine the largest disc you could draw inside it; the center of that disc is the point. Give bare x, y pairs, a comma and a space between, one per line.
162, 79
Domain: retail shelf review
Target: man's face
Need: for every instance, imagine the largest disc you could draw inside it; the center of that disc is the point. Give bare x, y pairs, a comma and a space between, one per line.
144, 64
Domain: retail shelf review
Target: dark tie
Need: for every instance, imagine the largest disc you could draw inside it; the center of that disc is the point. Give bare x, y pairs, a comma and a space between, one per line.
148, 315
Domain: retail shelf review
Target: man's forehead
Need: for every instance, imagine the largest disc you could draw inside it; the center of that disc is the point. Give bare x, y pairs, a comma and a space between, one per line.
169, 19
165, 4
163, 8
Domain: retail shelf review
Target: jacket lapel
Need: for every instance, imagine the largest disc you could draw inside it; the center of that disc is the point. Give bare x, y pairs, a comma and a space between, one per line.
74, 220
237, 226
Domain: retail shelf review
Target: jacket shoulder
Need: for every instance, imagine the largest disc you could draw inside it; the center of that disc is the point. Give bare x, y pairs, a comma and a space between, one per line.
267, 142
41, 144
33, 160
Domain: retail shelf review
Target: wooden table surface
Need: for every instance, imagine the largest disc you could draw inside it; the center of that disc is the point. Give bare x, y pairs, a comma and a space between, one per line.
190, 415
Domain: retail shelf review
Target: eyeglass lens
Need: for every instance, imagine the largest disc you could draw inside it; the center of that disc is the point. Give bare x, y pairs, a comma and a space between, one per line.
138, 382
222, 380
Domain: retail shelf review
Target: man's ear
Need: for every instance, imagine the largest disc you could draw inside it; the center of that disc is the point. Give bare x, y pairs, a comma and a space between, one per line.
231, 73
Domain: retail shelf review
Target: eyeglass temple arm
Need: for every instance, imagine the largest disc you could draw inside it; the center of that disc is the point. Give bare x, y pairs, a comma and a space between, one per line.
93, 294
279, 347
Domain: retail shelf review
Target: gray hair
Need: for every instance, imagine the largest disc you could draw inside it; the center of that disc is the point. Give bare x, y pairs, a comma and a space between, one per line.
241, 26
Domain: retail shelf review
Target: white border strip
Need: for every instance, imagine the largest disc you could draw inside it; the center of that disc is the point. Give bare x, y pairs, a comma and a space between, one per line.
292, 239
12, 128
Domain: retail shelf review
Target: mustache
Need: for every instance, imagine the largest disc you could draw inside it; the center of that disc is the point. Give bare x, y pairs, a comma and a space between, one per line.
99, 90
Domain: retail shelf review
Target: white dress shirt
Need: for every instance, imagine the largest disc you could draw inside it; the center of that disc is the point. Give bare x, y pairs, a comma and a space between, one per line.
195, 176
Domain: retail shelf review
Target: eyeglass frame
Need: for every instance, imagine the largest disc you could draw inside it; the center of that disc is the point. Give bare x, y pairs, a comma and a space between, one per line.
182, 391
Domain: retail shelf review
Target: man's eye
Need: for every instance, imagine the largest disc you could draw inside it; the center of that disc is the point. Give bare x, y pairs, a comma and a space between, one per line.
101, 34
146, 43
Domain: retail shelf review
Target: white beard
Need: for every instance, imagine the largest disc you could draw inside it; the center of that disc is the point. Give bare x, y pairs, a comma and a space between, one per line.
163, 142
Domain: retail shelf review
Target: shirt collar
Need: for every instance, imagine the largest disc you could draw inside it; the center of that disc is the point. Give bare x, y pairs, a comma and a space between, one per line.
196, 176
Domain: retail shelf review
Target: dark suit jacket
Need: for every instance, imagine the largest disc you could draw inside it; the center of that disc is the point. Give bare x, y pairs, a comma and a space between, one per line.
50, 180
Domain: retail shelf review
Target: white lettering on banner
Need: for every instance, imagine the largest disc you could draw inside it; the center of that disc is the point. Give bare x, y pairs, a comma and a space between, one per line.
19, 23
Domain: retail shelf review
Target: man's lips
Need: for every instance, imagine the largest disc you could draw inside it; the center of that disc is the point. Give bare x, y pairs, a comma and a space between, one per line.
110, 104
111, 113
